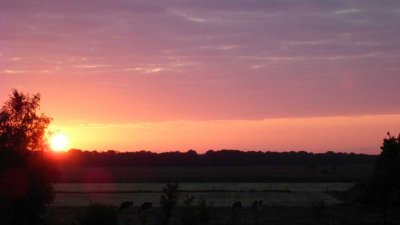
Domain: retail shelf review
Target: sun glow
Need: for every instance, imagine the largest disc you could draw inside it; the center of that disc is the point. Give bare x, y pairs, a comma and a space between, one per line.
58, 142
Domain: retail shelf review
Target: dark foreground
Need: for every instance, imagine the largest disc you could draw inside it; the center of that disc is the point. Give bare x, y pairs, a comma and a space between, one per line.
279, 215
341, 212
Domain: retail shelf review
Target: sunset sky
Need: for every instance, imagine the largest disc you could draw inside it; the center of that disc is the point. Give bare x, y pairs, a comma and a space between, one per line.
162, 75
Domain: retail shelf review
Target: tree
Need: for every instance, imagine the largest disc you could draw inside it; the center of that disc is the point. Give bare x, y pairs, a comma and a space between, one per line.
26, 173
383, 187
168, 201
188, 212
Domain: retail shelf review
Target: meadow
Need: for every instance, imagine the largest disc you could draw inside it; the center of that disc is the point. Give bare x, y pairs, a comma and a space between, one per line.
258, 174
276, 185
219, 194
276, 215
290, 194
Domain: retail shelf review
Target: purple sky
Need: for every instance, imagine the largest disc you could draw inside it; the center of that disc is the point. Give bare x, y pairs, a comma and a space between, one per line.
131, 61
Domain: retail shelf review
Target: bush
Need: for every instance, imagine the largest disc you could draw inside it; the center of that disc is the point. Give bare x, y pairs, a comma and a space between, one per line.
204, 212
188, 212
168, 201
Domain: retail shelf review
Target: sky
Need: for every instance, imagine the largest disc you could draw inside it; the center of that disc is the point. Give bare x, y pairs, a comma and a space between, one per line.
166, 75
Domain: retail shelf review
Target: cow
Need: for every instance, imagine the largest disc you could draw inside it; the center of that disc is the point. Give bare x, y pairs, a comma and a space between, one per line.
125, 205
256, 205
145, 206
237, 205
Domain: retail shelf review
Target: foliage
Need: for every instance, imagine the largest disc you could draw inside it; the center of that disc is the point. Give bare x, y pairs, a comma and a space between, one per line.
188, 212
382, 190
21, 129
204, 212
168, 201
26, 173
192, 215
213, 158
236, 213
319, 211
98, 214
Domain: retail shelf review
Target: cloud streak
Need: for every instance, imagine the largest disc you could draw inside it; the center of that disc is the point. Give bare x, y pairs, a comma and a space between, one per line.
224, 59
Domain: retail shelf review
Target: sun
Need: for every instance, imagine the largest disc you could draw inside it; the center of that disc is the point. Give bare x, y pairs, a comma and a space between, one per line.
58, 142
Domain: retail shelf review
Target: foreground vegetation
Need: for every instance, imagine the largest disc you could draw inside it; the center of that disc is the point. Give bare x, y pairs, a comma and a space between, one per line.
276, 215
194, 211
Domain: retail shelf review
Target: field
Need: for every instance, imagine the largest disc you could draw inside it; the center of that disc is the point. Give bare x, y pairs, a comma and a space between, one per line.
290, 195
345, 173
219, 194
277, 215
276, 185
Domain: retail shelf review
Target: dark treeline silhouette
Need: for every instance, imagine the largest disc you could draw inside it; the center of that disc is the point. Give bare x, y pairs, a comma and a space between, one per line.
210, 158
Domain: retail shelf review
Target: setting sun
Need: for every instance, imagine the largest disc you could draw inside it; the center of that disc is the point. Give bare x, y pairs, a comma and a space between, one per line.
58, 142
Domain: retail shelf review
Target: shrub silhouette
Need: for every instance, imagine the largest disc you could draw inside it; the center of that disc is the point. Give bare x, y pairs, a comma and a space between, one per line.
236, 213
188, 216
145, 212
320, 212
168, 201
26, 173
204, 212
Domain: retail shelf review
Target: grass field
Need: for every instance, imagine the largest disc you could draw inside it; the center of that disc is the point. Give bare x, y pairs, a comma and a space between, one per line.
290, 195
219, 194
348, 173
277, 215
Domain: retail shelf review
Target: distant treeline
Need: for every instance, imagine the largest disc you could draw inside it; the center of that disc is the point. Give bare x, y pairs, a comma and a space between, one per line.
210, 158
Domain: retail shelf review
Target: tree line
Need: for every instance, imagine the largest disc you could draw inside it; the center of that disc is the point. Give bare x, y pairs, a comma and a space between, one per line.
112, 158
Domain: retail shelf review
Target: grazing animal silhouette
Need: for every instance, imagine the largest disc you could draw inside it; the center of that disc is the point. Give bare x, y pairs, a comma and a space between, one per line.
237, 205
145, 206
257, 205
125, 205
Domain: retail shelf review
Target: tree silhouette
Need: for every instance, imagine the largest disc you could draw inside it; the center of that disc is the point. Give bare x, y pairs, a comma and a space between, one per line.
188, 212
168, 201
383, 188
76, 157
26, 174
